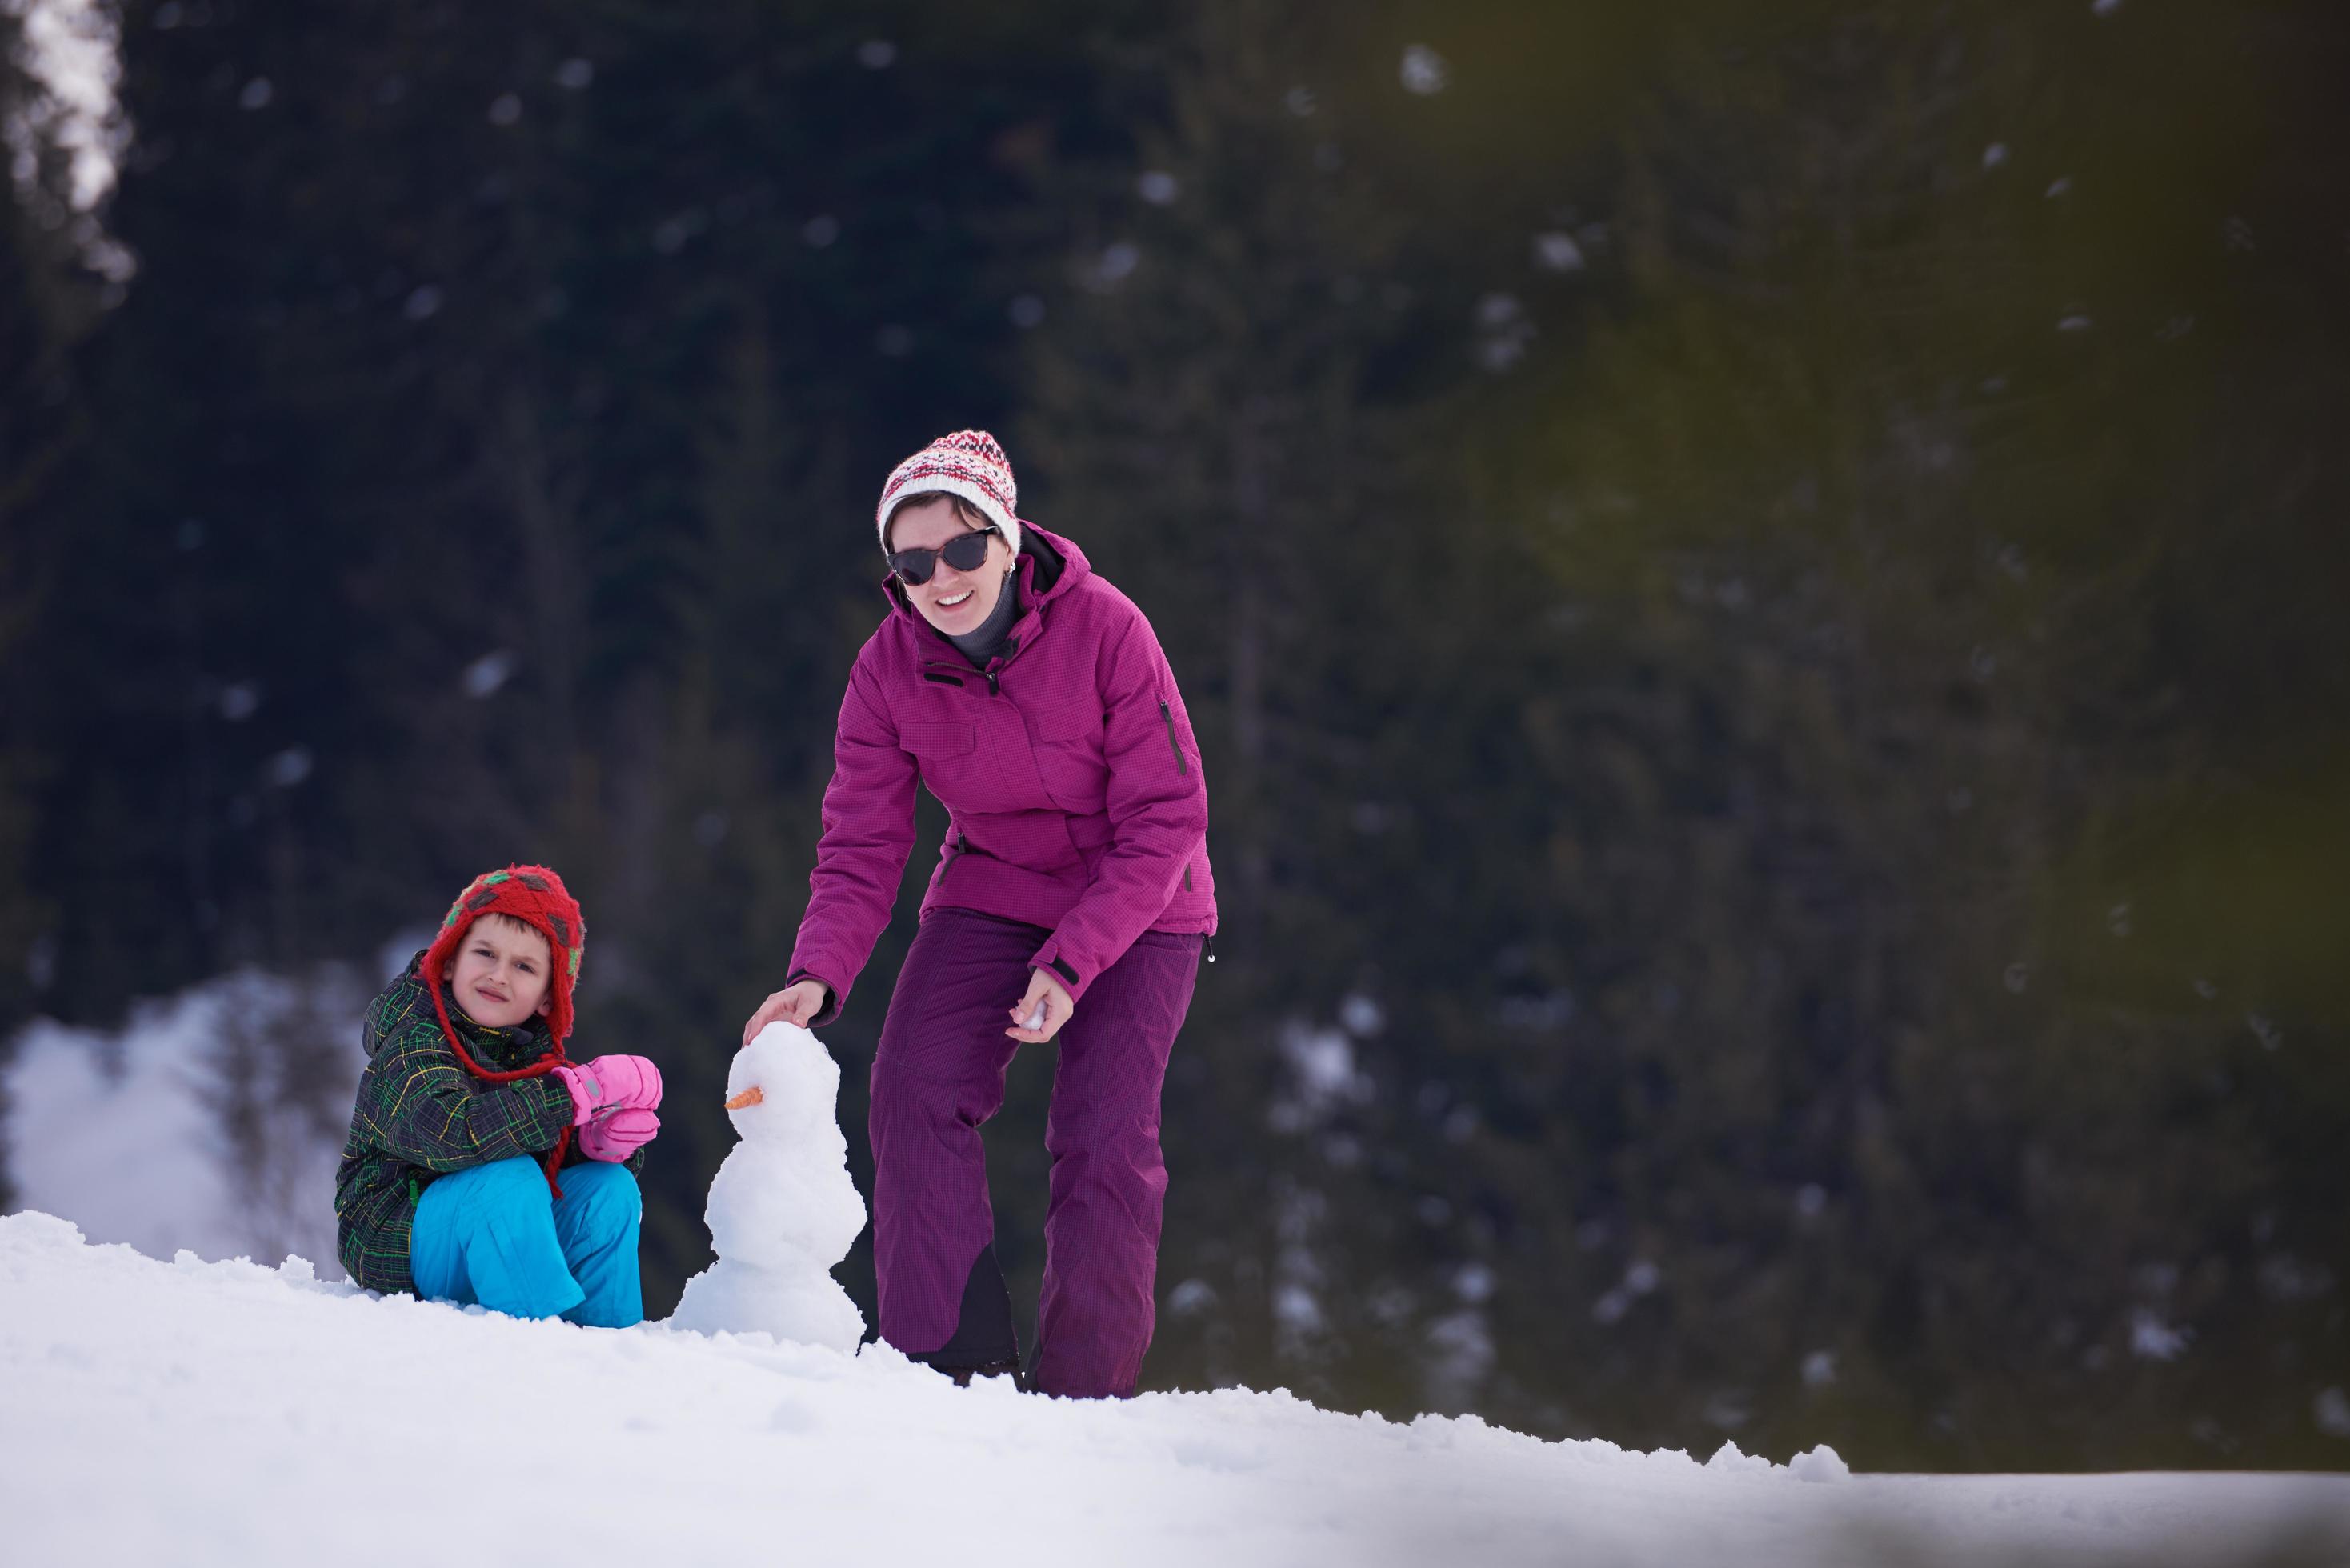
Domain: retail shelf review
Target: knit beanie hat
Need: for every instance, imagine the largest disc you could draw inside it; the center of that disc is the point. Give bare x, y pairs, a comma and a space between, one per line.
968, 463
536, 897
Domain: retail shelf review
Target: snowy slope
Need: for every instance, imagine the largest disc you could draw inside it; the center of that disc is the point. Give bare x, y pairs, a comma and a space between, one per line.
227, 1413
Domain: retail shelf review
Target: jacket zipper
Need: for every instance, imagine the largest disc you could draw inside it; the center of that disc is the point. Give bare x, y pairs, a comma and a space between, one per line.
1181, 768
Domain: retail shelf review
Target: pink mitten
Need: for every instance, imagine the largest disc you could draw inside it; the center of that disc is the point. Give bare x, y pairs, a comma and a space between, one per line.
607, 1083
616, 1134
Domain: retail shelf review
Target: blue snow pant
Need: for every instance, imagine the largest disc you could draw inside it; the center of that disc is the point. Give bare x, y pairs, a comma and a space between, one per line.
496, 1235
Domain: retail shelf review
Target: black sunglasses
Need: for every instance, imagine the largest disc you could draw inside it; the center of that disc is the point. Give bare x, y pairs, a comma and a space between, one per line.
964, 553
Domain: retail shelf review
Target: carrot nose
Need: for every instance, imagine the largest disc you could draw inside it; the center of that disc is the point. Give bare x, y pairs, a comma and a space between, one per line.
747, 1098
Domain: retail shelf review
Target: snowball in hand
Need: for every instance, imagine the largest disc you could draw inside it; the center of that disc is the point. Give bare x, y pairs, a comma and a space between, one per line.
783, 1210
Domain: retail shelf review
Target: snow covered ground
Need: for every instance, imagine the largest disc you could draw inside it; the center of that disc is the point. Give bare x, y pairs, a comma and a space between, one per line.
199, 1413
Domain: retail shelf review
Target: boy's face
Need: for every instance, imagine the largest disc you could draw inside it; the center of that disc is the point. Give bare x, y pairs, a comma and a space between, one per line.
503, 973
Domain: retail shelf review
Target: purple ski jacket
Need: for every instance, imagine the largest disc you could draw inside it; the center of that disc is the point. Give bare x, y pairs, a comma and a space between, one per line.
1067, 767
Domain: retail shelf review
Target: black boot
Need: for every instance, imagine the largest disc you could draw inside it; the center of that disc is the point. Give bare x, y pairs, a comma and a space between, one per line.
963, 1375
984, 1343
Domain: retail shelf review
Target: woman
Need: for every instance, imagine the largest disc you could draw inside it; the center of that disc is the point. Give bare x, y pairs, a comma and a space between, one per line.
1072, 898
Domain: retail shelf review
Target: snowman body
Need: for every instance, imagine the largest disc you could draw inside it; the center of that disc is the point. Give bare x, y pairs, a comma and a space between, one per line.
783, 1210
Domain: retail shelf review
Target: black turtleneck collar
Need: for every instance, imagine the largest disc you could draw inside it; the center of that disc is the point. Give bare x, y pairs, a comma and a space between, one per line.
983, 644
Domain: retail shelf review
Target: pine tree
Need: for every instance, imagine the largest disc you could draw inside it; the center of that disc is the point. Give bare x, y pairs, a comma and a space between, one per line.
1899, 468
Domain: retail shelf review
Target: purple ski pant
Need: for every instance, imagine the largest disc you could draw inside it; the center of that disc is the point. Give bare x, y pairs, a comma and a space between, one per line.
939, 1076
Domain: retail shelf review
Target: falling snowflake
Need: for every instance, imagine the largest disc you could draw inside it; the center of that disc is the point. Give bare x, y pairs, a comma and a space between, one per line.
1503, 332
240, 701
1113, 266
488, 673
1557, 253
287, 768
2151, 1339
1474, 1283
1191, 1296
1425, 71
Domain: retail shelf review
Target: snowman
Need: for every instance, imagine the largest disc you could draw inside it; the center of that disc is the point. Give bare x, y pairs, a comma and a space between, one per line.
783, 1210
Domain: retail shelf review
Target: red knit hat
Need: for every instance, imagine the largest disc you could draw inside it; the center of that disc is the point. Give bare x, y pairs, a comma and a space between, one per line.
536, 897
969, 463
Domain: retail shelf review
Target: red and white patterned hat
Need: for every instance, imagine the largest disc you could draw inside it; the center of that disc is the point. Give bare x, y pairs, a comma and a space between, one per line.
968, 463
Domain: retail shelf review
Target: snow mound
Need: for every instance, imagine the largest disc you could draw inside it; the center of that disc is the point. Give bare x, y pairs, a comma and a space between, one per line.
223, 1413
783, 1210
211, 1120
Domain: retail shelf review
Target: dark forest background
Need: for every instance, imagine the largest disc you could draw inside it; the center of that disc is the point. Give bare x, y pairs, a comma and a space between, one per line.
1762, 587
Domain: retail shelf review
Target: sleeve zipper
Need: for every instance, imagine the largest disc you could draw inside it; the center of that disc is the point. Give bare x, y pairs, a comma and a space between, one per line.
1169, 714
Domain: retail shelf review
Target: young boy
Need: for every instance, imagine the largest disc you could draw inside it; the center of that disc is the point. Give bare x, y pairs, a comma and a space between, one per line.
482, 1167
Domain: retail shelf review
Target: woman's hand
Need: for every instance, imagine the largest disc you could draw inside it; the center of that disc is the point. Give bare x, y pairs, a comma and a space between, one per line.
794, 1004
1028, 1024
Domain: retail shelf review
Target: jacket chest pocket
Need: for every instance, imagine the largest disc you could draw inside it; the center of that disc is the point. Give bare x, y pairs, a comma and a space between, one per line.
941, 749
1067, 742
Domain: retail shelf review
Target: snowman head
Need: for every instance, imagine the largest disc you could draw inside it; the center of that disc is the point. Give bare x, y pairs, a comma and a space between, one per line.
798, 1080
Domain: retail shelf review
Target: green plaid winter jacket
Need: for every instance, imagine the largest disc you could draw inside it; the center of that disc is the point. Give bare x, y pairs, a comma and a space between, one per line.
420, 1116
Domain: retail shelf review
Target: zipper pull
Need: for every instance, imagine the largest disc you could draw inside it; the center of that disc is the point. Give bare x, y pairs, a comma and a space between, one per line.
1211, 947
991, 690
